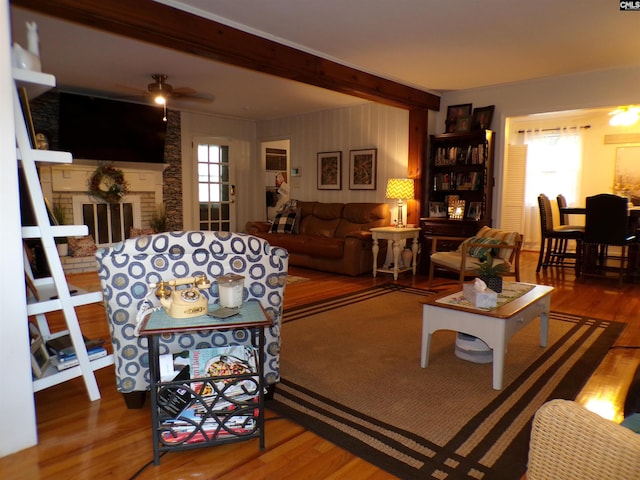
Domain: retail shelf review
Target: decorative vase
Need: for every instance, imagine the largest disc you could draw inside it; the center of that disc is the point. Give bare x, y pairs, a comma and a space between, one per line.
407, 256
494, 283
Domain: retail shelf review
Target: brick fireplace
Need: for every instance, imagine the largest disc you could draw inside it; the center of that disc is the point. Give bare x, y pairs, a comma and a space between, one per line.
66, 186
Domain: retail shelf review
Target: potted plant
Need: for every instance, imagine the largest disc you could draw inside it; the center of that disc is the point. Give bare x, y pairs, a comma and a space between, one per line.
490, 273
159, 219
62, 243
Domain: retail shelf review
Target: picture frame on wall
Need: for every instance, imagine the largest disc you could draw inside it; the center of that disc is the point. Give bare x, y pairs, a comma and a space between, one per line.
330, 171
363, 169
454, 112
482, 118
463, 124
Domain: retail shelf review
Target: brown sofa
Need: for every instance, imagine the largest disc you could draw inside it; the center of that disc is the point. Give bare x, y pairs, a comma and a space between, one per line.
332, 237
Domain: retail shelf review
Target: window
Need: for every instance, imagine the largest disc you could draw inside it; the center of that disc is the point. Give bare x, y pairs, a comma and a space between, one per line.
553, 166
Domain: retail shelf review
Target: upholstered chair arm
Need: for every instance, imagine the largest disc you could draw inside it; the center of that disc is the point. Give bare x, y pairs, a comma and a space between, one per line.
568, 441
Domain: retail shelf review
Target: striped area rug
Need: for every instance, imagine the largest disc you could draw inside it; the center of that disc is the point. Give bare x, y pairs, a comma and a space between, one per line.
351, 373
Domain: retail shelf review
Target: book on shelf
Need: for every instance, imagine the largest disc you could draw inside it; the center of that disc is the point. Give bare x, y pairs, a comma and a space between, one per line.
62, 347
72, 362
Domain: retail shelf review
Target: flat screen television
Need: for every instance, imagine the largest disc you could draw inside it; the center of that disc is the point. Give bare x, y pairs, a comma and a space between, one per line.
108, 130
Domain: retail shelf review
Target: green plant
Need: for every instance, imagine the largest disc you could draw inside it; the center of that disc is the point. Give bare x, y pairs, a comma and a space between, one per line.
60, 216
159, 219
487, 268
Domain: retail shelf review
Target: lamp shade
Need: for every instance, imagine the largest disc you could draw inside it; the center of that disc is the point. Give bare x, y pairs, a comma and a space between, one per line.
400, 188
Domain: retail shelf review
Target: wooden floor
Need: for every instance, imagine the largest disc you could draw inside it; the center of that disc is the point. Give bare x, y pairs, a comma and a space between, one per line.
80, 439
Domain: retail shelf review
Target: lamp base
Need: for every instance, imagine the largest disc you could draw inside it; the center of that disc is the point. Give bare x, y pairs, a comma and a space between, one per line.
399, 223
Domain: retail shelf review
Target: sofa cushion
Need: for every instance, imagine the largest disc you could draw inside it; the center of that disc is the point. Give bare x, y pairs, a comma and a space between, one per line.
312, 225
284, 223
453, 261
358, 217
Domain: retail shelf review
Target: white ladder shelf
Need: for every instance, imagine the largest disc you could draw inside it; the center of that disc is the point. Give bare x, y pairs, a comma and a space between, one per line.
54, 293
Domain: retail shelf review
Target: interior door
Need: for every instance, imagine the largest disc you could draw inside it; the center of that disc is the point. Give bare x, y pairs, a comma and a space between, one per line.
216, 191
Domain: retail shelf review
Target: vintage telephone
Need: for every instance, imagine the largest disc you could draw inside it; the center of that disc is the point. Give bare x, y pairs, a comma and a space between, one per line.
184, 302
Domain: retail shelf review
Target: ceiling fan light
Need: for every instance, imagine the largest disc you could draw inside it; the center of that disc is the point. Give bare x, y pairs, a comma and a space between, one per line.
160, 100
624, 116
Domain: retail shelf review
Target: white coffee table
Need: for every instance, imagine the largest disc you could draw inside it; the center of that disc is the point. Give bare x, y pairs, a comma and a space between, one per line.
495, 327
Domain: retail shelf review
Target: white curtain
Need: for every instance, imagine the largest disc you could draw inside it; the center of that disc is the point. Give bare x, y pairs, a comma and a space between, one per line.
554, 164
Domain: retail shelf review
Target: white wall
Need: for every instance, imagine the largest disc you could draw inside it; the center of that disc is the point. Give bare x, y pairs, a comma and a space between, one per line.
363, 126
17, 388
595, 89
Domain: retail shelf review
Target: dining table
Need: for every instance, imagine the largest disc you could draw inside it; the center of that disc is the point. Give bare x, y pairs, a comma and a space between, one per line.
634, 229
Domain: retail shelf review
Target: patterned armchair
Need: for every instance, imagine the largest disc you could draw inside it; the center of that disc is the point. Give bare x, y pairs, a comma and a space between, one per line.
126, 269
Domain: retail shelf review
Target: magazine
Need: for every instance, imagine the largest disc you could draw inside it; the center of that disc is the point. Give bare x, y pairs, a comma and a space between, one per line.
229, 362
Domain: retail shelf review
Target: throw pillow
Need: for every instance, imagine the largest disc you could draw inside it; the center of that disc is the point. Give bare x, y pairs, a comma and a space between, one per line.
82, 246
479, 252
136, 232
283, 223
510, 238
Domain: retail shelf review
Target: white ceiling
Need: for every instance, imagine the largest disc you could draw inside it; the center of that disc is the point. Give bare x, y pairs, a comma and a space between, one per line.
434, 45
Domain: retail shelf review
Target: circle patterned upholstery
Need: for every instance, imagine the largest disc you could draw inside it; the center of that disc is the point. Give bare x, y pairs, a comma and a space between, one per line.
127, 268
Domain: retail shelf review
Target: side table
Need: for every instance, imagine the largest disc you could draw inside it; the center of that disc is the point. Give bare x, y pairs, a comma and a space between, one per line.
252, 317
395, 235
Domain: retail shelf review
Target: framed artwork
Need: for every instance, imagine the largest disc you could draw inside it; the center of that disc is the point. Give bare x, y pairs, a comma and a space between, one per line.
463, 124
475, 210
627, 174
454, 112
363, 169
437, 209
330, 171
482, 118
39, 355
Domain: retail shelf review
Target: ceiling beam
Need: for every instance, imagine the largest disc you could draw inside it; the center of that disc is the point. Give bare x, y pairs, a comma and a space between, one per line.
166, 26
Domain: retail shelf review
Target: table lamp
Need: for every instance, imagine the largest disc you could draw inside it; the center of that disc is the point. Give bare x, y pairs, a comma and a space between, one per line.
400, 189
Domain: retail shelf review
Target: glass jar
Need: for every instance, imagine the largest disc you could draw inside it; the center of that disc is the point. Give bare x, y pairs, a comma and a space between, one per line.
230, 290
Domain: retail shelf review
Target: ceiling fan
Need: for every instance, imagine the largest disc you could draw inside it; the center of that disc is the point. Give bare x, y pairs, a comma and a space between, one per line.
162, 91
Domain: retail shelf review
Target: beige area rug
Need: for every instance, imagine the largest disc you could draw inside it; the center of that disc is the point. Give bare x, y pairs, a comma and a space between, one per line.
291, 279
351, 372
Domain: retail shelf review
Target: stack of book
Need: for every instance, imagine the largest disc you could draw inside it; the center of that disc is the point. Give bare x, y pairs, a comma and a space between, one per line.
221, 397
63, 355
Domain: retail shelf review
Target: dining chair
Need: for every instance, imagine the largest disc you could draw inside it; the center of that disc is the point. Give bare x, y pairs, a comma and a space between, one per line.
553, 240
564, 220
607, 225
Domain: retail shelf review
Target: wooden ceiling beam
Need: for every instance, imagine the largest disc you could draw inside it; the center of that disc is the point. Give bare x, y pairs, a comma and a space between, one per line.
166, 26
